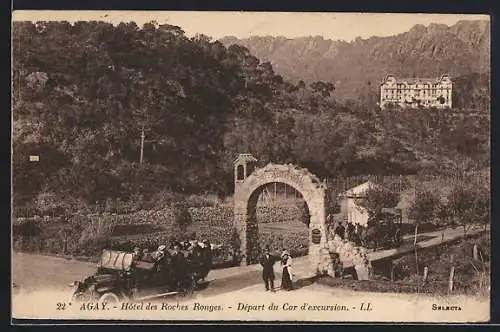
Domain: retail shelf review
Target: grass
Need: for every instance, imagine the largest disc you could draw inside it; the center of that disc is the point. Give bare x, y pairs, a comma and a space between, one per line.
384, 286
439, 260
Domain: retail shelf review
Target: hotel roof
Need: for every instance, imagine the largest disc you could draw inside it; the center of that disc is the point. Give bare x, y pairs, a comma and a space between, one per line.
413, 80
418, 79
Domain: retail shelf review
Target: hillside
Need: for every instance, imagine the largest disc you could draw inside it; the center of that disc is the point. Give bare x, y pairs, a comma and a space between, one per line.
84, 93
357, 66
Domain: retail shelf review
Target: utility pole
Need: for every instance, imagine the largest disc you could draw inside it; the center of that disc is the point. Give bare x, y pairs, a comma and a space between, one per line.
246, 78
142, 144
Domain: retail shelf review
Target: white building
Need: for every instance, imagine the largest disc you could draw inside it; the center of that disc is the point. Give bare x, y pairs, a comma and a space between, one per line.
414, 92
352, 212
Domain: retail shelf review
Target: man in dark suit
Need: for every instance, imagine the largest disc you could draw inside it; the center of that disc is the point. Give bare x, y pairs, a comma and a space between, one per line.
179, 266
267, 261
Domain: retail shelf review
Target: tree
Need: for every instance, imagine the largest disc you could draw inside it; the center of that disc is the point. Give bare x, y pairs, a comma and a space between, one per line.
323, 88
182, 217
84, 93
483, 203
423, 208
374, 199
468, 205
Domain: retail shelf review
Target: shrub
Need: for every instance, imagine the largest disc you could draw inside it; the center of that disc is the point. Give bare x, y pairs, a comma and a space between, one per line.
375, 199
47, 203
424, 207
469, 204
98, 229
182, 217
28, 228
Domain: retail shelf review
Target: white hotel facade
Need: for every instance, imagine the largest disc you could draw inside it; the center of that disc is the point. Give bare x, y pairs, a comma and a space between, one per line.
414, 92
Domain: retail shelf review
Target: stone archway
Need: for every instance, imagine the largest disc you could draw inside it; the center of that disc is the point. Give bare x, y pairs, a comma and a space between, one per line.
248, 188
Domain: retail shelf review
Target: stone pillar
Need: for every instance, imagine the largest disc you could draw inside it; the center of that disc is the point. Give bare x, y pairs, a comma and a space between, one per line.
240, 224
245, 222
317, 210
240, 217
252, 235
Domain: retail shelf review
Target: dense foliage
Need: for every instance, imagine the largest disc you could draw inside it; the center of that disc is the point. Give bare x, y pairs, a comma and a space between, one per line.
376, 198
425, 207
468, 205
84, 93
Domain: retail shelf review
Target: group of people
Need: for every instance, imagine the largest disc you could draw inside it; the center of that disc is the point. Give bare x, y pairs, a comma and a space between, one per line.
185, 248
268, 260
179, 254
348, 231
176, 264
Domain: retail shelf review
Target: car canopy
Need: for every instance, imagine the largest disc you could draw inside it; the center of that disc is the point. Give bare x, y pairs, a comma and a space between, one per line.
116, 260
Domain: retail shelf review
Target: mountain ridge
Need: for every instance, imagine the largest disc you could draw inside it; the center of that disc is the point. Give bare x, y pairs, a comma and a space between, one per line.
460, 49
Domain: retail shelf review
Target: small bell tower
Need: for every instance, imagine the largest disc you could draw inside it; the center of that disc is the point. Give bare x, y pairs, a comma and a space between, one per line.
244, 165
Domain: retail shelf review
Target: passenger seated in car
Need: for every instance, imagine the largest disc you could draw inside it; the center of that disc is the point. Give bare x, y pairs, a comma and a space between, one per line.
147, 256
137, 253
160, 252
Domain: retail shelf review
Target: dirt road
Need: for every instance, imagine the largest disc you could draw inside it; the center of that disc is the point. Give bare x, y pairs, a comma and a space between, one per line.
41, 282
32, 272
35, 272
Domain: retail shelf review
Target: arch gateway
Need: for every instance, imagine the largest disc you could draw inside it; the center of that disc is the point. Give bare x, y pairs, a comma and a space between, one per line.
248, 185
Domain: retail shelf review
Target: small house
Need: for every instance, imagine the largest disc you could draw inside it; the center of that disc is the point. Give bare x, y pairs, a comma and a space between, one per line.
352, 212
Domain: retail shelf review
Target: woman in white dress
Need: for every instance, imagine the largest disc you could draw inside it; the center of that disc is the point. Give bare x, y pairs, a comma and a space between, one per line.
286, 264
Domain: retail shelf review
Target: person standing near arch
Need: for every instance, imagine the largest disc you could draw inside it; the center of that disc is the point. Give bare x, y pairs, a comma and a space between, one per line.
286, 265
267, 261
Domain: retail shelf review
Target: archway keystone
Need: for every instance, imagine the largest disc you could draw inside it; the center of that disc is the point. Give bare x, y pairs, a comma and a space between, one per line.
248, 187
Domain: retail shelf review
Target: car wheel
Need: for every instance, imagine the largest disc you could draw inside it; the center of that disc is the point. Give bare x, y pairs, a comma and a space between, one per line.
109, 298
77, 297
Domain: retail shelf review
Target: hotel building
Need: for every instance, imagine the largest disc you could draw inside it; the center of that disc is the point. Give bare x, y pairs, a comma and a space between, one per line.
415, 92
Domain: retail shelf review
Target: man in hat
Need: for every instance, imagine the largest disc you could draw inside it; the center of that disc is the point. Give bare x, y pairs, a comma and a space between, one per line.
267, 261
137, 253
179, 265
206, 257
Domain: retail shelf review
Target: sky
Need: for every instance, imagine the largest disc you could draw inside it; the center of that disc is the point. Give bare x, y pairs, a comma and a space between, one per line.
343, 26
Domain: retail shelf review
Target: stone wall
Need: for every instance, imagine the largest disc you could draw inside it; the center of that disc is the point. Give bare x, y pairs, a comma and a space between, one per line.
342, 252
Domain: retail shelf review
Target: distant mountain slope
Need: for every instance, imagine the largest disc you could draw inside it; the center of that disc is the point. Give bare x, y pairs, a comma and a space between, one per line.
85, 93
460, 49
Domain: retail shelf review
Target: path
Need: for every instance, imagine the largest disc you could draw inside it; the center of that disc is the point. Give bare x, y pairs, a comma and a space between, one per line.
450, 234
33, 272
